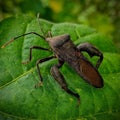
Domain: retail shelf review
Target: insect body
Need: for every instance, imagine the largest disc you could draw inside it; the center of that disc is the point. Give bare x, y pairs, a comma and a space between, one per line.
65, 51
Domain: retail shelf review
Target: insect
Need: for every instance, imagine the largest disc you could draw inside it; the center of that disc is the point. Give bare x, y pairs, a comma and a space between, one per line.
65, 51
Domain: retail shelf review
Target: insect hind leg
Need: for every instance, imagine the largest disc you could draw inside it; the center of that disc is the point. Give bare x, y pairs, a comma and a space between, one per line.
92, 51
60, 79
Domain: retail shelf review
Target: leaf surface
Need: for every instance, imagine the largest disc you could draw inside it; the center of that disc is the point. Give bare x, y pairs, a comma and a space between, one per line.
18, 97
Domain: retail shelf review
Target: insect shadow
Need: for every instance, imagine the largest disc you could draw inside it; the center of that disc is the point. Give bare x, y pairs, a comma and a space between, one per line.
65, 51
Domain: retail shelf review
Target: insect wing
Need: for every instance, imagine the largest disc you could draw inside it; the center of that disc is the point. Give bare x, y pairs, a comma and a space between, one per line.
89, 73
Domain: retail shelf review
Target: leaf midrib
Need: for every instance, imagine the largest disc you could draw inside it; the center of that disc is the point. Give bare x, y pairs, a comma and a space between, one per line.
14, 80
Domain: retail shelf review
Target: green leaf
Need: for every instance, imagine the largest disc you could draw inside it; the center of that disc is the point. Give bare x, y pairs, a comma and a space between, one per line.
19, 100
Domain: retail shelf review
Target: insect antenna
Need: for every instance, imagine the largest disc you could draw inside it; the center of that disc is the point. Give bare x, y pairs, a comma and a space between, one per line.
39, 24
42, 36
7, 43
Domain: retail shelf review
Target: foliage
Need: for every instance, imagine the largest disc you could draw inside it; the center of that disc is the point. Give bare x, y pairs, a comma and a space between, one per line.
19, 100
101, 14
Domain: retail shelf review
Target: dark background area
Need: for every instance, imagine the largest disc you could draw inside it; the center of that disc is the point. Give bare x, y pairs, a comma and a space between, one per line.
104, 15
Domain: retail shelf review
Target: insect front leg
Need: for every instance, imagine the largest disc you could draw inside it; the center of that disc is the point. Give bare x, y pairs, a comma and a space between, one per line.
60, 79
92, 51
34, 47
38, 68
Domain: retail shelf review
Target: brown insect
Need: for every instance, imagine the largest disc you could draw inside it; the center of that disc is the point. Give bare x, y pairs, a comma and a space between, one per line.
65, 51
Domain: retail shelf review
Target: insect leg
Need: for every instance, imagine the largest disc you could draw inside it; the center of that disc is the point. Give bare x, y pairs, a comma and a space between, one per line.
92, 51
34, 47
38, 68
60, 79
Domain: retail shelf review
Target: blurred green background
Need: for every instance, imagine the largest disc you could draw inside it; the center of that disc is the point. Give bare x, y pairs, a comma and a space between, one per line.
104, 15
